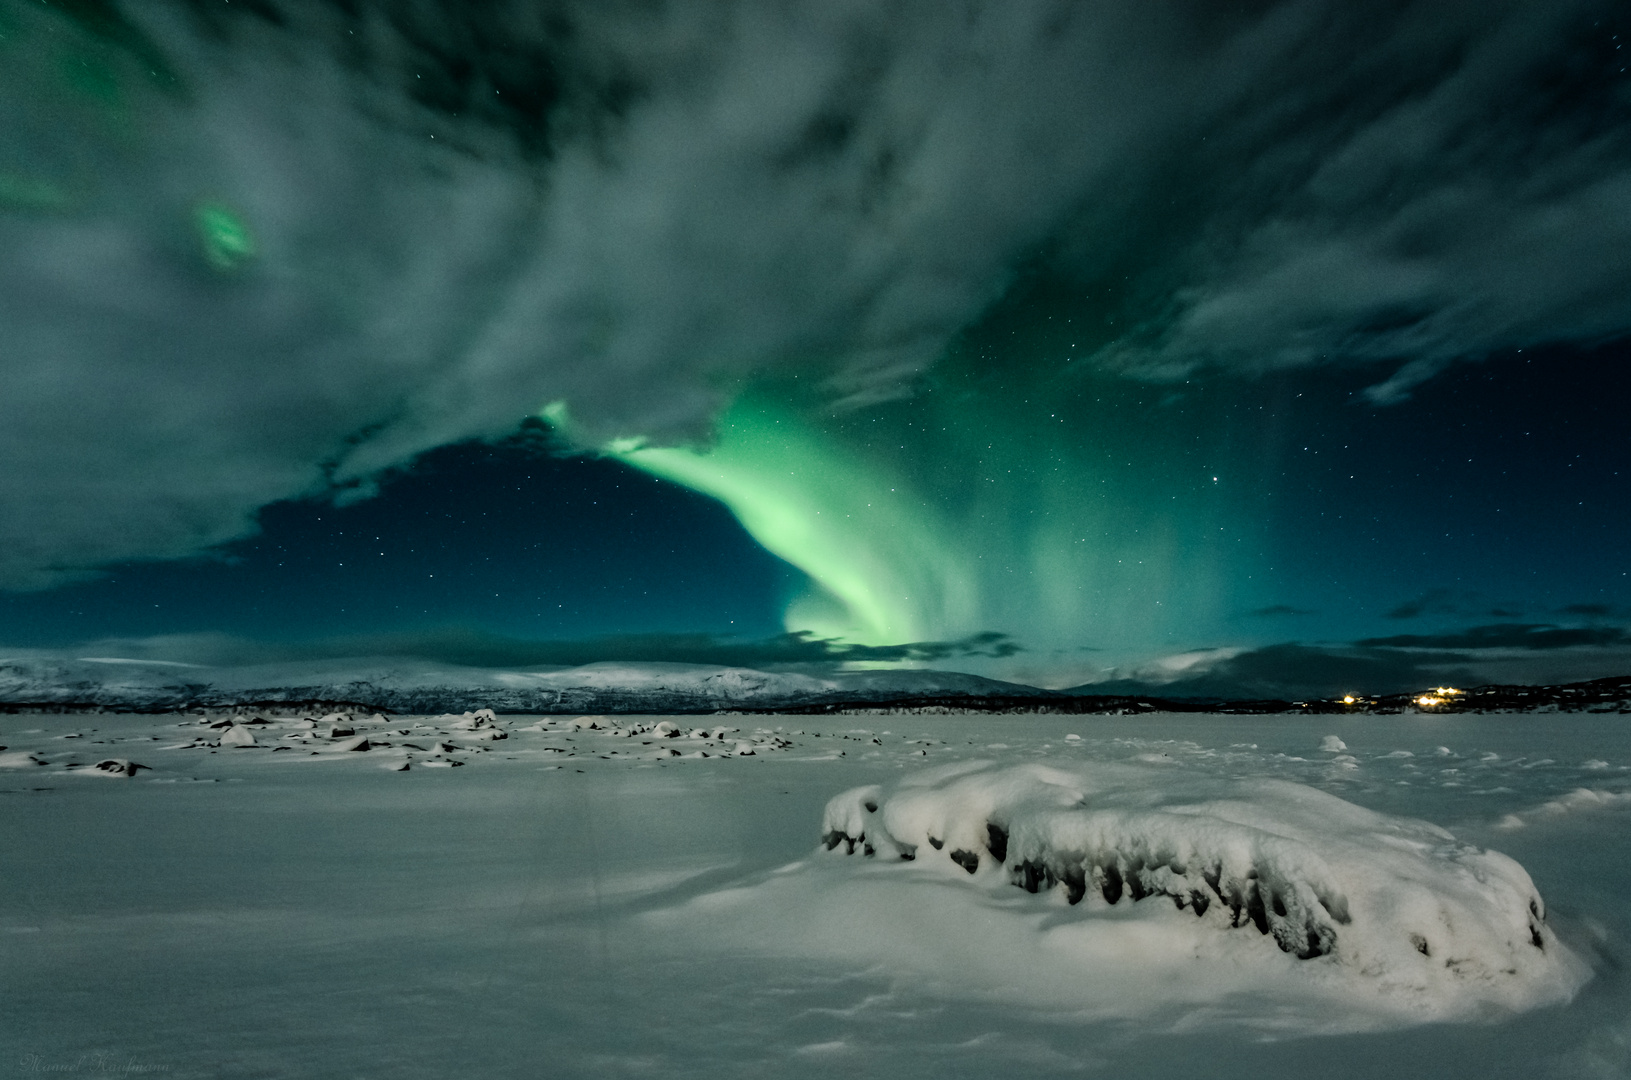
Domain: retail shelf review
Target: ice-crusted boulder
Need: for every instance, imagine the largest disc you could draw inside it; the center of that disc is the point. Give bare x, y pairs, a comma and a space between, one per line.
1326, 881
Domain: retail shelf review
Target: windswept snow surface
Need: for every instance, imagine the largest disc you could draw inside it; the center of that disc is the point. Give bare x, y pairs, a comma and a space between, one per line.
247, 895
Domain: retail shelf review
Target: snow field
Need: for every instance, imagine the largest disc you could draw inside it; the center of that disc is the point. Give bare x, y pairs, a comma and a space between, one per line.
399, 744
567, 904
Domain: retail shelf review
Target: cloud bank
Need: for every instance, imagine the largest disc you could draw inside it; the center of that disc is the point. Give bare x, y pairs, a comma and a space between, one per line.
254, 255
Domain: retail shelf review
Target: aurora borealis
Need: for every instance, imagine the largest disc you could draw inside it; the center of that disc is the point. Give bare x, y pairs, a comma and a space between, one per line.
1282, 346
1103, 522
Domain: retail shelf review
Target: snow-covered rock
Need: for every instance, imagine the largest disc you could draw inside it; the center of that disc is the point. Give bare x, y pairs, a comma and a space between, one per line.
118, 767
237, 735
1380, 899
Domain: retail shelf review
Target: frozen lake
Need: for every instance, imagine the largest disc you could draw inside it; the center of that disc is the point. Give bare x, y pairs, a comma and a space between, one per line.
567, 902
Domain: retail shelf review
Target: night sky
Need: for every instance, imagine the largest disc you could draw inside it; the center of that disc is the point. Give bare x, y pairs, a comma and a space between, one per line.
1280, 348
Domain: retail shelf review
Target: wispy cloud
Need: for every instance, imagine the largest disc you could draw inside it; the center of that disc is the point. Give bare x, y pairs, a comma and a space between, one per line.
1277, 610
310, 247
1434, 602
1590, 610
1531, 636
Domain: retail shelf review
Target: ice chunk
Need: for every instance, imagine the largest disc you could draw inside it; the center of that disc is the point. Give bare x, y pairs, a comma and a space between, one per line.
237, 735
1332, 745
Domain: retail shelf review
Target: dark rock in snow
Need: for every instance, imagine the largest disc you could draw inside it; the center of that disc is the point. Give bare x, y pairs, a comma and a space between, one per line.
118, 767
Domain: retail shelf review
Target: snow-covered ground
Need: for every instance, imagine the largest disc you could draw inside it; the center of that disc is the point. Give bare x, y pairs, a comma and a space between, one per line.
651, 896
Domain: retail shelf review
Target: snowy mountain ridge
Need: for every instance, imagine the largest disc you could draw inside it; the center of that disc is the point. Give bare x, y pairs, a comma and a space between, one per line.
50, 683
413, 687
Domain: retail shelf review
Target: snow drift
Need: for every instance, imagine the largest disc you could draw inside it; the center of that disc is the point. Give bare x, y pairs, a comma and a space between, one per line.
1396, 904
1181, 898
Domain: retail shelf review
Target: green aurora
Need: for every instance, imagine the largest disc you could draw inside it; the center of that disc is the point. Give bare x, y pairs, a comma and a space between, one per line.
1015, 492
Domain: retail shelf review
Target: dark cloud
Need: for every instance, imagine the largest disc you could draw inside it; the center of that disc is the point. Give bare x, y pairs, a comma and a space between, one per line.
1532, 636
1434, 602
1274, 610
1593, 610
1451, 602
252, 257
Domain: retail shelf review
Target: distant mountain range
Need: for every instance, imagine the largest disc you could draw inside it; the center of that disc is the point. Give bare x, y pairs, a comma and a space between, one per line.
54, 684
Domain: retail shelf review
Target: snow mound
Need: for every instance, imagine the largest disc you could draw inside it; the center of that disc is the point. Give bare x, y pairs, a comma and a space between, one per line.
237, 735
1580, 800
1397, 904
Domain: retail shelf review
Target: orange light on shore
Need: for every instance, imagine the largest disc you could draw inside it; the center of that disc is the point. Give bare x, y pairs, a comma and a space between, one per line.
1348, 699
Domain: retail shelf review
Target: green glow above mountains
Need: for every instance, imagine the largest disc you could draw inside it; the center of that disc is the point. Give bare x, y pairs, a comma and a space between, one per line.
1080, 514
873, 546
